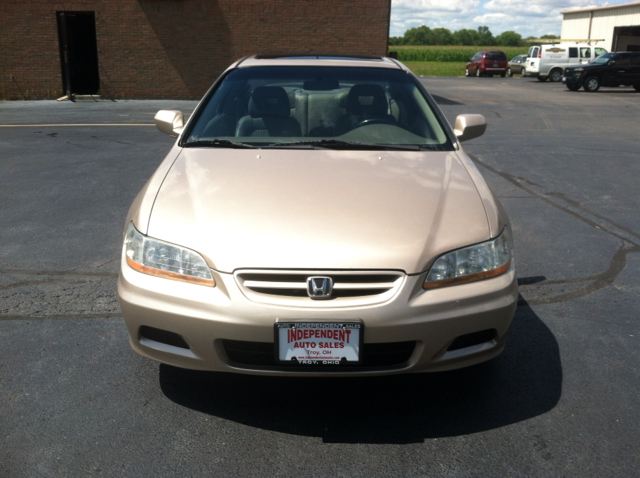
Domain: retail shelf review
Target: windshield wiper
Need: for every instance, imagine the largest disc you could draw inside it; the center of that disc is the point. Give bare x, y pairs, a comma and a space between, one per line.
219, 143
343, 144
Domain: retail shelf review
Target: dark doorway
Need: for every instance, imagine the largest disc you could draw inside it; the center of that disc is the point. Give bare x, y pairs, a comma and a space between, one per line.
78, 53
626, 38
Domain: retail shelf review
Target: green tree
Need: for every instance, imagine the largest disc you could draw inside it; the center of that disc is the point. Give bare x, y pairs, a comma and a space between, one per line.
509, 38
550, 37
442, 36
421, 35
485, 37
465, 37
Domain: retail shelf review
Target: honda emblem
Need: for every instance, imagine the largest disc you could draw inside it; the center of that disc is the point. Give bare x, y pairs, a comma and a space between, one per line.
319, 287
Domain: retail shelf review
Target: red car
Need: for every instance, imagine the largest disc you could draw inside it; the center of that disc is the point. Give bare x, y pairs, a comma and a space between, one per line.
488, 63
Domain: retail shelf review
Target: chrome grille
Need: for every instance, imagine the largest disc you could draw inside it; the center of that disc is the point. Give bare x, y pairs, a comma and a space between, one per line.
350, 288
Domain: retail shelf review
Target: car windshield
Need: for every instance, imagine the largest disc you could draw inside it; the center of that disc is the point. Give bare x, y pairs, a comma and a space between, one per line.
318, 107
602, 59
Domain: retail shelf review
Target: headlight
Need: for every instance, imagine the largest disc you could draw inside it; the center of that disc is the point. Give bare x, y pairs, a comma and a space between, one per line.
161, 259
481, 261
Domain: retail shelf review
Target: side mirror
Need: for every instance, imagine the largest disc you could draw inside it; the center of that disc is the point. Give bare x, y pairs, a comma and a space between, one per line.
170, 122
469, 127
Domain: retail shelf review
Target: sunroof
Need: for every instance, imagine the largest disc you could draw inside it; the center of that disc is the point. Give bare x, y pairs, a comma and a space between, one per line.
318, 56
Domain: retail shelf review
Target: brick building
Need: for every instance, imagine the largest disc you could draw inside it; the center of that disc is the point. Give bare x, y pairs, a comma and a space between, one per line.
167, 48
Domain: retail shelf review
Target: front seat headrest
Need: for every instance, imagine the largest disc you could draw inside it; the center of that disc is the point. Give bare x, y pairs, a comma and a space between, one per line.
269, 101
369, 99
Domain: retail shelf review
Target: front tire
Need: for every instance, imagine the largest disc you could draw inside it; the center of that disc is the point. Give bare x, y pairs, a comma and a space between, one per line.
466, 72
592, 84
509, 72
556, 75
478, 73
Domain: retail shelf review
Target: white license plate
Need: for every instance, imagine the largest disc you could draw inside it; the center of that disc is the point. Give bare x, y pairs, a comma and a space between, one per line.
318, 343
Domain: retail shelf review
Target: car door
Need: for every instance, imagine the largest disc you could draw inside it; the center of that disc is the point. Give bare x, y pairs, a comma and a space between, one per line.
634, 68
585, 54
574, 57
474, 63
617, 72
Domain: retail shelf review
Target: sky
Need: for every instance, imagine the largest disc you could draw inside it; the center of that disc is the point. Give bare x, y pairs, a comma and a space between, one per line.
527, 17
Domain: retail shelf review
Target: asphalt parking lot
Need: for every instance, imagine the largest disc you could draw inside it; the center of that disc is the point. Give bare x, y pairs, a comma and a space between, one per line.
562, 400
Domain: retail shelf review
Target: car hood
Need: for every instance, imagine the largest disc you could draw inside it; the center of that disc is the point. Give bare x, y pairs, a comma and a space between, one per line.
582, 65
318, 209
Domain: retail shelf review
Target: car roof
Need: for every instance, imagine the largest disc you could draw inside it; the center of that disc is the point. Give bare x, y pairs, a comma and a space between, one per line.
311, 59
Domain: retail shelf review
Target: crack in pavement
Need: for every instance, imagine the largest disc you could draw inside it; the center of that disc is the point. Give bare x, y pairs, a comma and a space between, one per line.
48, 294
517, 181
110, 315
597, 281
37, 272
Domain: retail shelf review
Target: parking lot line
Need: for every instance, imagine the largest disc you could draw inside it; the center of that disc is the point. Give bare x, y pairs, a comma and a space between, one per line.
79, 124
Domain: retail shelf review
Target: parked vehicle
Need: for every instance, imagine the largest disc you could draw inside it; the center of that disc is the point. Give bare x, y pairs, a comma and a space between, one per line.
548, 61
517, 65
488, 63
610, 69
317, 216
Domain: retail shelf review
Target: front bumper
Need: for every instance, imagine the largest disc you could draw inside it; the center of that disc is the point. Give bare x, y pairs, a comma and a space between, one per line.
572, 80
208, 318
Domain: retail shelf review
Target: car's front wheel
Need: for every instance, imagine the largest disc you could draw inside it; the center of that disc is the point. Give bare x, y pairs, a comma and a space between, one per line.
478, 73
592, 84
466, 72
555, 75
509, 72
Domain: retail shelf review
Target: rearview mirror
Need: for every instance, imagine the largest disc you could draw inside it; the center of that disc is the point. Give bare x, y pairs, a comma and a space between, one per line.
469, 127
170, 122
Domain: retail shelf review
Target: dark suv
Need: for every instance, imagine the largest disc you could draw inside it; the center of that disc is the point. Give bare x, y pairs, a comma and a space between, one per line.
488, 63
610, 69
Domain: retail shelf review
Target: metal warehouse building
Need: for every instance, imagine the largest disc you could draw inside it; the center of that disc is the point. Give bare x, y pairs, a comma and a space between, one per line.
167, 48
618, 25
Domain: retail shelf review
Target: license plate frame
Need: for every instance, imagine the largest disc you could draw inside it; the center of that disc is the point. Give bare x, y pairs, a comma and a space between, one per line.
349, 332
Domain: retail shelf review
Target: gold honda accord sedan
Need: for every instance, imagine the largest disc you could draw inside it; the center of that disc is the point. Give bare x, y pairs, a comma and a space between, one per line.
317, 216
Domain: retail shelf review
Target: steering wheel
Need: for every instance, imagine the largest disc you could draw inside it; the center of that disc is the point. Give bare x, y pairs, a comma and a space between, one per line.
374, 121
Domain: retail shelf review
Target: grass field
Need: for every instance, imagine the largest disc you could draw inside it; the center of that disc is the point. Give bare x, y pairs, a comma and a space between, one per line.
437, 68
449, 53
